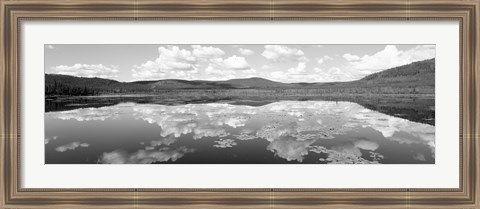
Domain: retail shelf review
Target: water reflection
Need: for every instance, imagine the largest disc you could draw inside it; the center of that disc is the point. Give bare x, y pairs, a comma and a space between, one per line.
143, 156
87, 114
279, 132
71, 146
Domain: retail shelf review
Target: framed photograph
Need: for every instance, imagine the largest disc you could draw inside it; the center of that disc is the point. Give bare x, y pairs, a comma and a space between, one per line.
239, 104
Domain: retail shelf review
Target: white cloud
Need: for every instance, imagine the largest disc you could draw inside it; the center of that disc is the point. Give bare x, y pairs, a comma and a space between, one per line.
299, 73
350, 57
294, 74
85, 70
333, 74
279, 53
209, 62
172, 62
235, 62
207, 52
390, 57
323, 59
49, 46
357, 67
249, 71
279, 76
245, 52
288, 77
299, 69
264, 67
220, 74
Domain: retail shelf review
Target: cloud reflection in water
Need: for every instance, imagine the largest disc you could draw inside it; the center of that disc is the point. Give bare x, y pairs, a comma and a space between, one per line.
143, 156
71, 146
291, 129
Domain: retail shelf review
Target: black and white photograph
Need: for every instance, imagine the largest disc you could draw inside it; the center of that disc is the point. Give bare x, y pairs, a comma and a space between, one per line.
239, 104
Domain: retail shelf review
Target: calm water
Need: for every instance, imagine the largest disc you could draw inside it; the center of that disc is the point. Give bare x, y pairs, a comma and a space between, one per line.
280, 132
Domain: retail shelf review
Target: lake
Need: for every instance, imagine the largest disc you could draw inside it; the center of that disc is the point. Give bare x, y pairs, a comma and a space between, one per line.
223, 132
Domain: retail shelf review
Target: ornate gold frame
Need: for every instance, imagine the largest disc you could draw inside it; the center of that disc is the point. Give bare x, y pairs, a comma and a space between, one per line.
13, 12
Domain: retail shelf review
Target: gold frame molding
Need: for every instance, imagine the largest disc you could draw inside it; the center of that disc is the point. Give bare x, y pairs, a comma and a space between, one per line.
13, 12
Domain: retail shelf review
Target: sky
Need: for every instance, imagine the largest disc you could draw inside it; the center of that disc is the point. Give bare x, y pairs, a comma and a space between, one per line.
282, 63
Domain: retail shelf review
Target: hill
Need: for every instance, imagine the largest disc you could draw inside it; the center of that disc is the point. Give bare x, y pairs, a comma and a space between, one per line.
245, 83
414, 78
253, 83
421, 72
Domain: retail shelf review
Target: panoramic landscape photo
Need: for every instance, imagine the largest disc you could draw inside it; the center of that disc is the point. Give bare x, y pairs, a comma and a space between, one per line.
239, 104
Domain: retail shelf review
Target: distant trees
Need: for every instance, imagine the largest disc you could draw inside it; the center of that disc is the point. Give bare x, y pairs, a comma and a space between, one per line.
421, 71
76, 86
60, 88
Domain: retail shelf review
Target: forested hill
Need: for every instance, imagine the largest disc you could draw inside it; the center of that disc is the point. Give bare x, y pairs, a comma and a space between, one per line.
417, 77
422, 72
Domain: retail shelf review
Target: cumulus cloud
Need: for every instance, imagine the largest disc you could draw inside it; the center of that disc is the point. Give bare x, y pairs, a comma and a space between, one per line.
219, 74
350, 57
71, 146
86, 70
300, 74
321, 60
207, 52
229, 68
333, 74
299, 69
280, 53
235, 62
357, 67
245, 52
172, 62
250, 71
297, 73
390, 57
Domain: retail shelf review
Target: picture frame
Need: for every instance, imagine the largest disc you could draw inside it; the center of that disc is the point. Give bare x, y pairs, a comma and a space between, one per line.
14, 12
